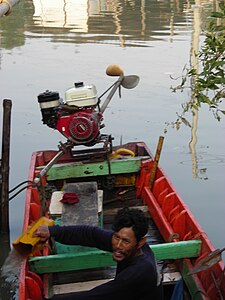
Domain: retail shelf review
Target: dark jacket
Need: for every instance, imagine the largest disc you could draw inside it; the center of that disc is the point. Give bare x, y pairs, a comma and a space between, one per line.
134, 280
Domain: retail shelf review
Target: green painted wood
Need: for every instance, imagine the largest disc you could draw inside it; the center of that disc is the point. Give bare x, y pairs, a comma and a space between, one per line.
75, 170
195, 291
71, 261
98, 258
177, 250
63, 249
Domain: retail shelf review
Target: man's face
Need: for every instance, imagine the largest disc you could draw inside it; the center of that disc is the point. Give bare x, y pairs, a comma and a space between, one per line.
124, 244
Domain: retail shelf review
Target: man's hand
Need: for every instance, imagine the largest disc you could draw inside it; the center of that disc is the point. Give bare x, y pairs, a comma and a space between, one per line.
42, 232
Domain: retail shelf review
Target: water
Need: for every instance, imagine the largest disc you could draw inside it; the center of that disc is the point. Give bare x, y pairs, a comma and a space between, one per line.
10, 272
52, 44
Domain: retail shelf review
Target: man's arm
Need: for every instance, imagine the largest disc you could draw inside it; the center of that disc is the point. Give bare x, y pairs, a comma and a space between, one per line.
83, 235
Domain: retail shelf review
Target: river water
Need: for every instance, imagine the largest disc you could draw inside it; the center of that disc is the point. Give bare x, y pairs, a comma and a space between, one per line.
53, 43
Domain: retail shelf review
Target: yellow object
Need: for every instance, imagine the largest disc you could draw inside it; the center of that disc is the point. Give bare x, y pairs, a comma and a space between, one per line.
120, 153
26, 244
122, 180
114, 70
10, 6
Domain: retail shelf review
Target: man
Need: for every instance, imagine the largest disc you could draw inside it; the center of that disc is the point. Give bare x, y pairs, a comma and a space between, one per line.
136, 275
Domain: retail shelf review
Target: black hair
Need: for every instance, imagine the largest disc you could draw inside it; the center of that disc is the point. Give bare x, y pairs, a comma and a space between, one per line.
131, 217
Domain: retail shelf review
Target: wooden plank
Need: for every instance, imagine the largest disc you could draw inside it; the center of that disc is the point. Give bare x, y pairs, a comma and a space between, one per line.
98, 258
71, 261
78, 286
192, 282
177, 250
85, 211
77, 170
168, 278
113, 211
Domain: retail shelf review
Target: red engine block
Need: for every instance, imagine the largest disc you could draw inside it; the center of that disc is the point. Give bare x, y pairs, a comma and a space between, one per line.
81, 126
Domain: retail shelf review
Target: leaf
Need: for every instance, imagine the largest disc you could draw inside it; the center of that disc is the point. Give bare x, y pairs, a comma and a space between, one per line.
219, 27
192, 72
222, 6
185, 121
177, 125
216, 15
219, 63
205, 99
207, 85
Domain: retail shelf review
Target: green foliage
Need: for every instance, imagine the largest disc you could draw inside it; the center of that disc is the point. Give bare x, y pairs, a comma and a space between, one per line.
208, 84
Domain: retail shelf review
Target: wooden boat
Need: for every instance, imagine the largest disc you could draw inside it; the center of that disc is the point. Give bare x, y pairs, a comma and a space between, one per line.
175, 236
115, 177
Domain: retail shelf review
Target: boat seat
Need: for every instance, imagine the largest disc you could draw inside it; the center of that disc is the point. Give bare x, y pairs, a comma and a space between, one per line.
169, 277
87, 211
56, 206
59, 289
77, 286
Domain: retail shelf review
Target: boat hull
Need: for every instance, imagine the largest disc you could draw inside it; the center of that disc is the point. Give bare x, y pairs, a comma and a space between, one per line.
119, 176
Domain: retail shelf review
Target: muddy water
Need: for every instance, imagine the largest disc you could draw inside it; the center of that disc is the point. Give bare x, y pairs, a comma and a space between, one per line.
52, 44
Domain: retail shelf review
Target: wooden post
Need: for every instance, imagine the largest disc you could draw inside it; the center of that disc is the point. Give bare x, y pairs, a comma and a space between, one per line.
5, 248
4, 201
156, 161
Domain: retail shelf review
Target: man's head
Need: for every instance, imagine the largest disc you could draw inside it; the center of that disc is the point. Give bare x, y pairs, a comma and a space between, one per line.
130, 227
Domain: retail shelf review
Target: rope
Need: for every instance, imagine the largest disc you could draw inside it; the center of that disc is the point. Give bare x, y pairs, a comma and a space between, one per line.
10, 7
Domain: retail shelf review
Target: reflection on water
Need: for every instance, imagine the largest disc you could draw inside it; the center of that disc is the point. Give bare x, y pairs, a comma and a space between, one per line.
123, 23
10, 263
137, 21
126, 23
195, 65
62, 14
9, 279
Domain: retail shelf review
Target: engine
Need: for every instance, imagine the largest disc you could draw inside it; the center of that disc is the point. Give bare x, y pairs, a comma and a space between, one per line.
77, 117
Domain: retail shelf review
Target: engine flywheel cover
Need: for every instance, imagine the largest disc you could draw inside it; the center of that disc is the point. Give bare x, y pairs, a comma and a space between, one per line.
81, 128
